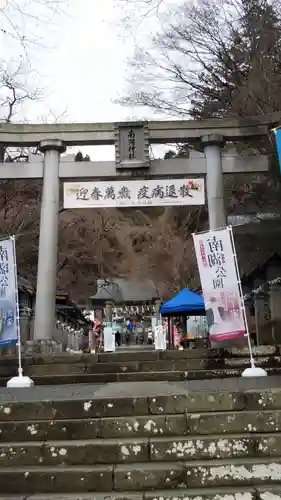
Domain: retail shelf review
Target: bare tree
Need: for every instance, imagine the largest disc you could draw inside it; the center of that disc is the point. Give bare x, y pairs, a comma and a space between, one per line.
136, 11
19, 216
21, 22
23, 26
19, 200
224, 55
216, 59
93, 244
13, 91
162, 249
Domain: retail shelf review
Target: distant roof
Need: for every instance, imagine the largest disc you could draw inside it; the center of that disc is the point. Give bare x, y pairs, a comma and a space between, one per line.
25, 286
120, 290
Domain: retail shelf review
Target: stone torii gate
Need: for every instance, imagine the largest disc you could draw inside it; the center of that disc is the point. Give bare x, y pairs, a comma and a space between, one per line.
212, 161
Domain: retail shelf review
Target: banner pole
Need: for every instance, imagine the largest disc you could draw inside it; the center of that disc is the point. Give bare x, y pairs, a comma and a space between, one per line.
241, 297
253, 371
20, 371
20, 380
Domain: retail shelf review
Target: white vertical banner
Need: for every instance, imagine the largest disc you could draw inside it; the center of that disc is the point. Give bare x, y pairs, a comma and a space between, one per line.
221, 285
153, 323
108, 339
160, 338
9, 307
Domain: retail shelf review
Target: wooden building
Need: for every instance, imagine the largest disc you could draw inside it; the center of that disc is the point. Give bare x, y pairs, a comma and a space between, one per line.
129, 301
127, 297
67, 311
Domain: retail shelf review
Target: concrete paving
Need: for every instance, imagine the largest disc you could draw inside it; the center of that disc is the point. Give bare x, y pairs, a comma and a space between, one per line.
135, 389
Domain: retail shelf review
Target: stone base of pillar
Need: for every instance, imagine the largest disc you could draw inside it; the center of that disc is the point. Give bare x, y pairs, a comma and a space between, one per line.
43, 347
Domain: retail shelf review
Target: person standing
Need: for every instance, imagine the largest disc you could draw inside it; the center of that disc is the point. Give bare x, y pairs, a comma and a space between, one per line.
118, 338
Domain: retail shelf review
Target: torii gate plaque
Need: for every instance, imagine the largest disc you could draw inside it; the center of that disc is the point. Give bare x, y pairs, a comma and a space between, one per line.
131, 142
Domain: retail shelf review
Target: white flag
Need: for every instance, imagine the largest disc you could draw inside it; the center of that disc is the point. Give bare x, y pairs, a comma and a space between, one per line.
220, 284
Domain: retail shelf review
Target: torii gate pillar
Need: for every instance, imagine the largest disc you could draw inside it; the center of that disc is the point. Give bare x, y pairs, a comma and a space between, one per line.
48, 242
212, 145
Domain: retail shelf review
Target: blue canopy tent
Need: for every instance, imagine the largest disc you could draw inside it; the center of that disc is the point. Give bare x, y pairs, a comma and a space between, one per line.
185, 302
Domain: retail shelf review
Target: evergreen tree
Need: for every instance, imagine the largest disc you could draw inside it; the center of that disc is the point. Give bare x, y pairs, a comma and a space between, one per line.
79, 157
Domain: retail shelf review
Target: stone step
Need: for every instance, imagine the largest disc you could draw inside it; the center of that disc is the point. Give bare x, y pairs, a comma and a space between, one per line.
141, 361
30, 480
242, 493
250, 493
93, 496
266, 493
142, 426
233, 422
121, 405
233, 352
108, 402
91, 366
106, 451
266, 351
116, 427
139, 477
135, 389
162, 376
216, 446
210, 473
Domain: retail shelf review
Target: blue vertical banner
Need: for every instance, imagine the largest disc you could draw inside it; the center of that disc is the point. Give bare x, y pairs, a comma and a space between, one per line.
277, 133
8, 294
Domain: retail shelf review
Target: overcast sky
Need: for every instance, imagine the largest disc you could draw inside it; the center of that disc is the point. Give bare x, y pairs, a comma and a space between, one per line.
81, 63
88, 68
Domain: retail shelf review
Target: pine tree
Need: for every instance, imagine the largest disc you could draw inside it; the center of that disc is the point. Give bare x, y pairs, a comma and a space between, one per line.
79, 157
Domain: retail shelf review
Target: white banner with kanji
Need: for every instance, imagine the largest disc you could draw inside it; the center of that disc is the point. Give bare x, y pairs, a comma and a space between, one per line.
220, 284
8, 294
160, 338
134, 193
108, 339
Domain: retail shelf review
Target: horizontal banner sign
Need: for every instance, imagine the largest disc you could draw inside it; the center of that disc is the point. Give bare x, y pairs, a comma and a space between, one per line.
134, 193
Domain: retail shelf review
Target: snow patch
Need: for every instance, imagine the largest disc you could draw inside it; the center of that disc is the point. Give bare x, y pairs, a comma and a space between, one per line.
87, 405
32, 429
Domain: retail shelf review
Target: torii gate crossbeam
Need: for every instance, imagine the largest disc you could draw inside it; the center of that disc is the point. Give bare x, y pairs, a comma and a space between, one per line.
160, 132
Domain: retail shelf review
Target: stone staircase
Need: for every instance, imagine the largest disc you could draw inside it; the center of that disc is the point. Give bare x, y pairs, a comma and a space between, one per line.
213, 440
132, 366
